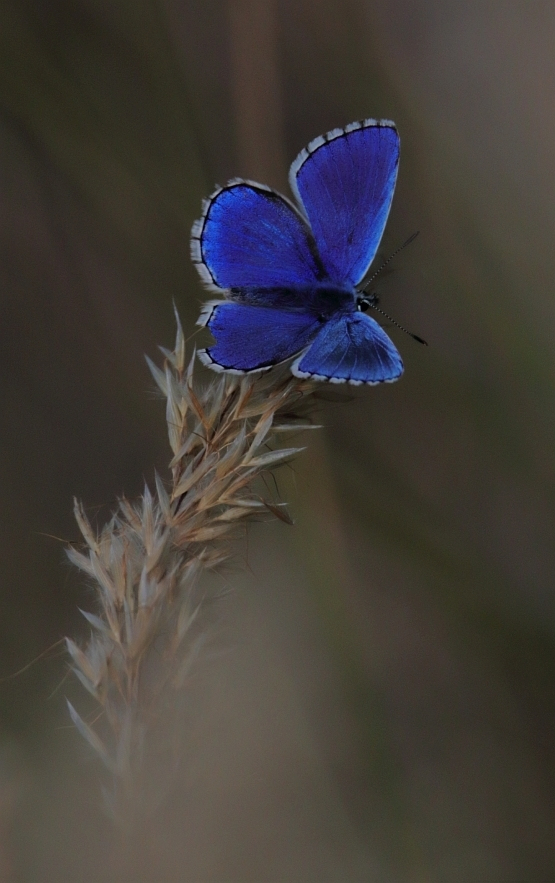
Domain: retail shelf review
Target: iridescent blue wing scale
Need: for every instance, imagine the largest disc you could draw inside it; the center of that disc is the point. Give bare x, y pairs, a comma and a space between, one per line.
344, 181
350, 349
249, 235
253, 338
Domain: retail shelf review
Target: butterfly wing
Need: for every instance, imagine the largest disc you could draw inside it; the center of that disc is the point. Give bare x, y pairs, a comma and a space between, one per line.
345, 180
253, 338
249, 235
350, 349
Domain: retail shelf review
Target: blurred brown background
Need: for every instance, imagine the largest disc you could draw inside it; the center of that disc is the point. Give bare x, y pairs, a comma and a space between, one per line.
385, 707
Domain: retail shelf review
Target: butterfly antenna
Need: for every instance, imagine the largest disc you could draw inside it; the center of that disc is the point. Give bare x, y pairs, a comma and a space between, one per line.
390, 258
410, 334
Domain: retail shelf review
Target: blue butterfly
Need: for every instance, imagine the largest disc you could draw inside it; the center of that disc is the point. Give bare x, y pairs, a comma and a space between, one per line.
290, 272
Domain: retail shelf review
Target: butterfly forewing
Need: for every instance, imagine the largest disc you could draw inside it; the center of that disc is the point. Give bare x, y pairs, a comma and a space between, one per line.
345, 182
251, 236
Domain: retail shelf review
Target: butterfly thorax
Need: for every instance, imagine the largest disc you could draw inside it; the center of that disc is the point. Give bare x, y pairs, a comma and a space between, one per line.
322, 301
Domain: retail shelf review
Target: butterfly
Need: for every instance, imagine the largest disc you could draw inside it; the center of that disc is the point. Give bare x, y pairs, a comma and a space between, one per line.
289, 272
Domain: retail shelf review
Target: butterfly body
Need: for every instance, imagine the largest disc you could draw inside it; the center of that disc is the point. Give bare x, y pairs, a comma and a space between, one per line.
323, 299
290, 272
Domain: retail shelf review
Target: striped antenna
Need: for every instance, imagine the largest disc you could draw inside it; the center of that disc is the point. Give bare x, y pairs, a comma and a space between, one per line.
390, 258
372, 306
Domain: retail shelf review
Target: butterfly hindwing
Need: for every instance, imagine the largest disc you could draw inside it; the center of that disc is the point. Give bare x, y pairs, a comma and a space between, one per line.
344, 181
249, 235
350, 349
253, 338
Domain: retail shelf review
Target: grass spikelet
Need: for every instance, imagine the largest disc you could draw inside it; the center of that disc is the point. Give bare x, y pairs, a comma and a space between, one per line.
151, 617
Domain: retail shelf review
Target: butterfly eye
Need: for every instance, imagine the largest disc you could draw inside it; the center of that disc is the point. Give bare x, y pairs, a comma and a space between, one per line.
369, 300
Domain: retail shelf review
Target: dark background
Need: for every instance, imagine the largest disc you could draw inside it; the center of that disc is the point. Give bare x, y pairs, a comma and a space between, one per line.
385, 707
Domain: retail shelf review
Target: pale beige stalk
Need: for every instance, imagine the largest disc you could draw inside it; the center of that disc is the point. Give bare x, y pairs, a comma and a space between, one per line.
150, 621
